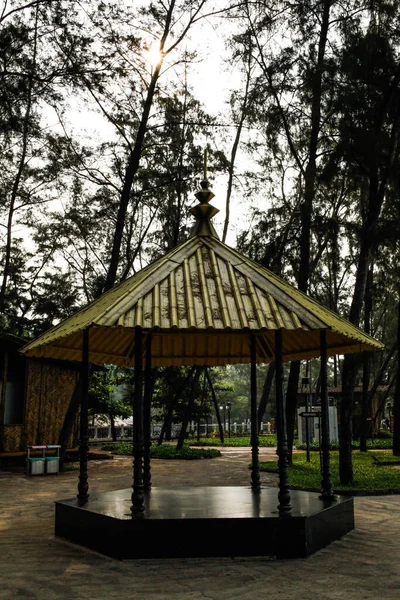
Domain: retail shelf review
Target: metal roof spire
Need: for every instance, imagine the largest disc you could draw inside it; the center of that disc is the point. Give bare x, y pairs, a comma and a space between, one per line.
204, 211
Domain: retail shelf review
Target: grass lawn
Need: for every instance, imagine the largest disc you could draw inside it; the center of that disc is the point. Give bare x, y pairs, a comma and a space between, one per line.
270, 441
369, 476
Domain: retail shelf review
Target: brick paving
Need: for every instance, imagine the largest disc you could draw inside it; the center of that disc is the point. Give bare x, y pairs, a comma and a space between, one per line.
365, 564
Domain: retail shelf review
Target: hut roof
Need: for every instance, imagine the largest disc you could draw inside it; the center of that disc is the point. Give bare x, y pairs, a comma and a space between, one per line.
200, 302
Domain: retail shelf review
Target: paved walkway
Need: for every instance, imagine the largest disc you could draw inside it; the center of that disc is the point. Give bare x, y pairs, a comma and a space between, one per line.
33, 565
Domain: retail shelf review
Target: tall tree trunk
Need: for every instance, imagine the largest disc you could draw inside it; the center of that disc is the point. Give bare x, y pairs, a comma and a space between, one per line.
217, 413
379, 177
135, 153
231, 168
381, 407
189, 409
291, 405
396, 403
70, 419
306, 210
168, 417
130, 172
351, 363
365, 406
21, 165
113, 430
269, 378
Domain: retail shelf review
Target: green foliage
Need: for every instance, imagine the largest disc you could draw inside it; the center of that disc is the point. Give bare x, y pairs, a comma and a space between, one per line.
186, 453
367, 476
166, 451
266, 441
106, 398
119, 448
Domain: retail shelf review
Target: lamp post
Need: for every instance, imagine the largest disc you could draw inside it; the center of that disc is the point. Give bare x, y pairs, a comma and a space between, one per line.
389, 407
228, 408
222, 409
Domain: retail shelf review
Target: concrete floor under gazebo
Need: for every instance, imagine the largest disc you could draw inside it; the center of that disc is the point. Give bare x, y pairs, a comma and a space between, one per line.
239, 522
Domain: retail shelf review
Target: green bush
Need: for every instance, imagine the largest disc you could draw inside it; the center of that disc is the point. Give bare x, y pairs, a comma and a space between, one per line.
266, 441
187, 453
120, 448
166, 451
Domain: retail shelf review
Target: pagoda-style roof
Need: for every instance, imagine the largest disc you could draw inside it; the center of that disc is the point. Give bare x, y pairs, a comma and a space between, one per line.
200, 302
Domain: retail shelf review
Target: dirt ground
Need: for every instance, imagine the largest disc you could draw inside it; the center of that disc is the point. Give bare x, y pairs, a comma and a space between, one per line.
365, 564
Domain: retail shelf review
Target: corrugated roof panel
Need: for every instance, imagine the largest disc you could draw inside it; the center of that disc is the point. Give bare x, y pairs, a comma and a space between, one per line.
251, 316
200, 320
156, 305
237, 297
227, 291
221, 299
215, 304
204, 295
148, 312
181, 299
191, 313
164, 304
201, 301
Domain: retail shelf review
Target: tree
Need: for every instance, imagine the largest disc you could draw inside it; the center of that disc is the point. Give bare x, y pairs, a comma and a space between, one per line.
369, 142
107, 399
296, 70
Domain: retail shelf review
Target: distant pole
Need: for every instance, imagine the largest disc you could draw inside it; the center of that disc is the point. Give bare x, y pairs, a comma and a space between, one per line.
284, 506
137, 507
83, 486
255, 469
327, 493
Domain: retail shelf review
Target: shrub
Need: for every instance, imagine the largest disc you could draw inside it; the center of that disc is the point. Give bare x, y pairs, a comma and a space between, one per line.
166, 451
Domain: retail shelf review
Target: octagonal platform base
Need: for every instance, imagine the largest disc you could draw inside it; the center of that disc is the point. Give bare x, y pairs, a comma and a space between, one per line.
204, 521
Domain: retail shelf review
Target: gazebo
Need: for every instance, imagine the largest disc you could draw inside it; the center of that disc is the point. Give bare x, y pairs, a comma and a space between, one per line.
203, 303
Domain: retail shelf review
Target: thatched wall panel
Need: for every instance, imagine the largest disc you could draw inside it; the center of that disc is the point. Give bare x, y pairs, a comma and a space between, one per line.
32, 403
49, 392
12, 435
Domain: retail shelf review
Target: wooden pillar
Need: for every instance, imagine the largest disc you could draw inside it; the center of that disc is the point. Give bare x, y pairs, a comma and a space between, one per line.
137, 507
284, 505
327, 492
255, 470
148, 389
83, 486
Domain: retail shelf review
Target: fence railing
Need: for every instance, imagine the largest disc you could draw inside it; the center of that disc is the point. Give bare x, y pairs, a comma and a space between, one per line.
124, 432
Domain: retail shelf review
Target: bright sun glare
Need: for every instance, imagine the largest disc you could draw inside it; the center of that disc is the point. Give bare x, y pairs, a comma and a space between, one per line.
153, 54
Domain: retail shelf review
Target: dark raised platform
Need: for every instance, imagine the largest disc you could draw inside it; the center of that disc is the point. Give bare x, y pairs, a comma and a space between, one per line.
204, 521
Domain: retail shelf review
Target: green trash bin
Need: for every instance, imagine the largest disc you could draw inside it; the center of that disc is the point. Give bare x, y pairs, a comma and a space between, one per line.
35, 465
53, 462
52, 465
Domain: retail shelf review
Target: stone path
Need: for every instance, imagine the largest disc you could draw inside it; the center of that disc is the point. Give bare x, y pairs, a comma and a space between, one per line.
33, 565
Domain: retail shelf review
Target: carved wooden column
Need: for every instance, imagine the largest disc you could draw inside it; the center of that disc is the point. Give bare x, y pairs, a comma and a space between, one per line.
327, 492
284, 489
83, 486
137, 507
148, 389
255, 470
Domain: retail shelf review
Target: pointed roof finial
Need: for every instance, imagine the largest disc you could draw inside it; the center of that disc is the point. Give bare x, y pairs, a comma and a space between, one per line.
204, 211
